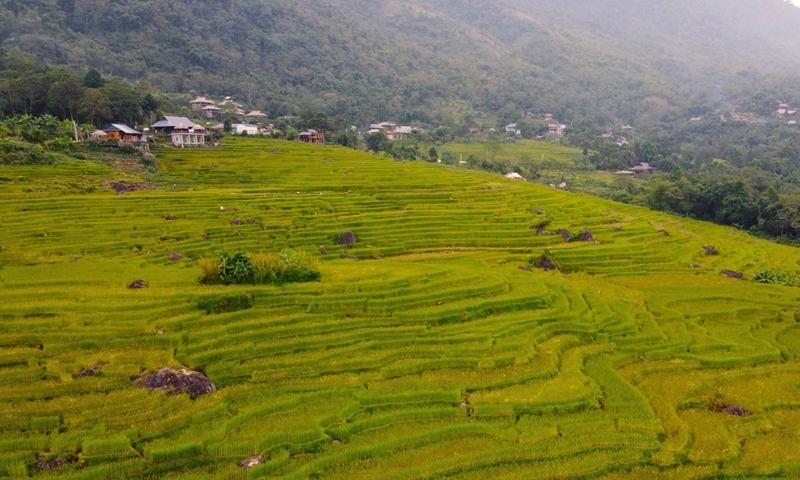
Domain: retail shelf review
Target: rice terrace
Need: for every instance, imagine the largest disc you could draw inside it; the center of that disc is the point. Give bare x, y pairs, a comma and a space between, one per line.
430, 345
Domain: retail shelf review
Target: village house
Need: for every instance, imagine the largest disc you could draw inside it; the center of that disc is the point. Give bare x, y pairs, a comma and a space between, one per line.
211, 111
202, 102
167, 124
123, 133
256, 114
311, 136
400, 133
643, 168
267, 129
391, 130
246, 128
512, 128
556, 130
184, 136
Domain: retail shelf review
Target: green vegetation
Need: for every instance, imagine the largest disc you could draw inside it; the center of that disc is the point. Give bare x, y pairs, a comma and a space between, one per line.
776, 277
594, 63
225, 304
259, 269
424, 351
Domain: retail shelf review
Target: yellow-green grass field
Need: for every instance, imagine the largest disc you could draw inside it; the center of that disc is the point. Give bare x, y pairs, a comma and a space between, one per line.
547, 153
431, 355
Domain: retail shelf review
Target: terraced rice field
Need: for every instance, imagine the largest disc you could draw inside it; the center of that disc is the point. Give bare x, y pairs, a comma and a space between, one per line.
432, 356
549, 155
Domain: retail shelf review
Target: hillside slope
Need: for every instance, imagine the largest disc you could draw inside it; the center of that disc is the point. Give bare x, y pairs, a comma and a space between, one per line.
424, 352
417, 60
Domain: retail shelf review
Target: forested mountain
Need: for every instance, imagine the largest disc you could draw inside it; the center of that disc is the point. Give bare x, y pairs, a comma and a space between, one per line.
436, 61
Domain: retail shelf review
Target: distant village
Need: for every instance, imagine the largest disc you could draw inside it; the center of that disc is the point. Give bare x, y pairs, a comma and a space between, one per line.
182, 132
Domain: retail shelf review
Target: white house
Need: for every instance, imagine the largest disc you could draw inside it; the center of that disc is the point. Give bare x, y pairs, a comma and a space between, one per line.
183, 136
246, 128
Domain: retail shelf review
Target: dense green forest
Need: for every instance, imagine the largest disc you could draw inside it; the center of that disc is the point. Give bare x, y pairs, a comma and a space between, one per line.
442, 62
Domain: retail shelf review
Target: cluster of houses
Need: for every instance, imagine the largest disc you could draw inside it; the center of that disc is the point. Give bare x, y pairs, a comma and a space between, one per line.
391, 130
552, 129
212, 109
786, 111
181, 131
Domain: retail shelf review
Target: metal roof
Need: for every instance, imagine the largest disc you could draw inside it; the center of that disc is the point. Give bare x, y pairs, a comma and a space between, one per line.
119, 127
173, 122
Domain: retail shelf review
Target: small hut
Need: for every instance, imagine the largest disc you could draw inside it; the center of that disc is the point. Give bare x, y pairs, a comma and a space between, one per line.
98, 135
312, 136
123, 133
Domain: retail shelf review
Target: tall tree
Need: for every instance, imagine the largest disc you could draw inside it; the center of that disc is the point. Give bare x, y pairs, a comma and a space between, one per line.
64, 97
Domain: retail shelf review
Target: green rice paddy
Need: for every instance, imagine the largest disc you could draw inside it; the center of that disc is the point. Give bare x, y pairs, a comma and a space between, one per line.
431, 354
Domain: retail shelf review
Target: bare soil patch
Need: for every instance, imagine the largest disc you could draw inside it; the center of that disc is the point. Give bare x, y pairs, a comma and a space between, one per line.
175, 382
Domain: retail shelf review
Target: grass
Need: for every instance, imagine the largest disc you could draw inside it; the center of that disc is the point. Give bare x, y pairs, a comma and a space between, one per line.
430, 355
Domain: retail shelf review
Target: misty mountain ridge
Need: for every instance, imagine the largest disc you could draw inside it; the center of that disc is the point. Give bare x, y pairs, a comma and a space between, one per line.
639, 61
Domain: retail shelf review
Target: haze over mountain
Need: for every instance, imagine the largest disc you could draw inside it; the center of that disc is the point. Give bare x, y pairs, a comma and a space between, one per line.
431, 60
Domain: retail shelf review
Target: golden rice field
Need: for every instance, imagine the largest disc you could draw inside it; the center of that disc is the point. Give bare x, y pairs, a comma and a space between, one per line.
431, 354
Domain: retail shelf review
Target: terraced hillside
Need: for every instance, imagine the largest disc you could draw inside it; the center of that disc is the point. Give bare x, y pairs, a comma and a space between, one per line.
426, 352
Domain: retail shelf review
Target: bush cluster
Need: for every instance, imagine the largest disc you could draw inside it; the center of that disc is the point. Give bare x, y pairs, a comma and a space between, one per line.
239, 268
776, 277
17, 152
226, 304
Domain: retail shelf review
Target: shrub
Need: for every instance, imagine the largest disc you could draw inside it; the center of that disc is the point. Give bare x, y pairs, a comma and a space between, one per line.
236, 269
15, 152
776, 277
302, 275
211, 271
299, 259
269, 267
294, 266
61, 144
231, 303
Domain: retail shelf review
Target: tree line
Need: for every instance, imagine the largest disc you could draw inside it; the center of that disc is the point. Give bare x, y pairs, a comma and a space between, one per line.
33, 89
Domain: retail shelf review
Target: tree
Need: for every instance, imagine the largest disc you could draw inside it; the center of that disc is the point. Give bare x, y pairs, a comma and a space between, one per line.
95, 107
65, 97
126, 102
227, 126
149, 103
93, 79
378, 142
433, 155
319, 121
